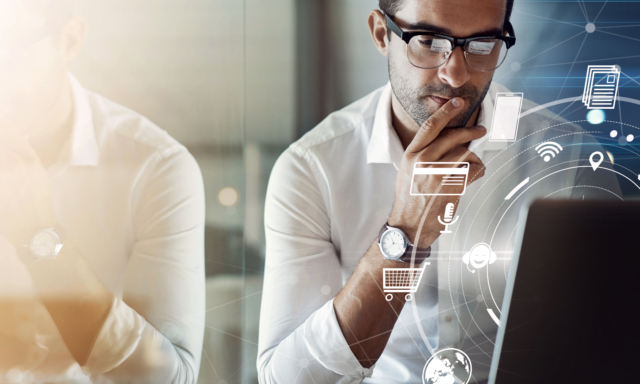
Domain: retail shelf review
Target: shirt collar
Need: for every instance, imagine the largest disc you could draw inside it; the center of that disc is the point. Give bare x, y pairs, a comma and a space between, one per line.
82, 147
385, 146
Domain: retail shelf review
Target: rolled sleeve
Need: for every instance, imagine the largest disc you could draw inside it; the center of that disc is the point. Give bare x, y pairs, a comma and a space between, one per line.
327, 344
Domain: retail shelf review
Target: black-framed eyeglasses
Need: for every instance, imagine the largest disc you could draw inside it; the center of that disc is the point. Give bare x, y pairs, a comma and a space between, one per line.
430, 50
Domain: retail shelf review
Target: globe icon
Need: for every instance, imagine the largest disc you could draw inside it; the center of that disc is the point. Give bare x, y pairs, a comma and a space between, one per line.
448, 366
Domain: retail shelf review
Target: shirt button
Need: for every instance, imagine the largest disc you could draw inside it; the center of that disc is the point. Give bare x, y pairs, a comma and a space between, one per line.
448, 318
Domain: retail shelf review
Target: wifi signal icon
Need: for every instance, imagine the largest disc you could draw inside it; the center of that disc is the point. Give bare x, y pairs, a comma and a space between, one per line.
548, 150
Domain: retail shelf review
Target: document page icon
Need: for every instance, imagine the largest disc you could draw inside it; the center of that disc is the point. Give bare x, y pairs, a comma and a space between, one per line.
452, 177
601, 87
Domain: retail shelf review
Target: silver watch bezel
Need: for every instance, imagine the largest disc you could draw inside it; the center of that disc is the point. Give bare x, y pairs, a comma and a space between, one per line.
54, 253
404, 237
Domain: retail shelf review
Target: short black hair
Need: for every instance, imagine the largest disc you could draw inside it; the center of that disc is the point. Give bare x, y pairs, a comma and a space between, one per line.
391, 7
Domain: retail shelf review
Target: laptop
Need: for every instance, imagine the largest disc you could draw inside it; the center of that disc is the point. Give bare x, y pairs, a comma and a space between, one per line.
571, 310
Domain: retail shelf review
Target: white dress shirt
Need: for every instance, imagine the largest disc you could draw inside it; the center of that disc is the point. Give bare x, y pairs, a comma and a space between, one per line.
329, 194
131, 199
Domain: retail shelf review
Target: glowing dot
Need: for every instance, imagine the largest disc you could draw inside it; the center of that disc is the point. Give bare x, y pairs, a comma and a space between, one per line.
325, 290
630, 138
613, 133
547, 158
515, 66
304, 363
228, 196
596, 116
590, 28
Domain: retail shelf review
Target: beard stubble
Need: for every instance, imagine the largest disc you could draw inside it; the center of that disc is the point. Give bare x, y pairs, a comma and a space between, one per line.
413, 99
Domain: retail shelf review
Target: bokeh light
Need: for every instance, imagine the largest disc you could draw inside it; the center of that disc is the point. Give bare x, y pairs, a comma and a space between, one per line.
228, 197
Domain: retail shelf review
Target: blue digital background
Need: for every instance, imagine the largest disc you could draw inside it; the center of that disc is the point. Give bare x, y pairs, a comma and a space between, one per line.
553, 51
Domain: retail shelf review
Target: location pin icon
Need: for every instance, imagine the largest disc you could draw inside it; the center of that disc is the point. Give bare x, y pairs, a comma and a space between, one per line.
596, 163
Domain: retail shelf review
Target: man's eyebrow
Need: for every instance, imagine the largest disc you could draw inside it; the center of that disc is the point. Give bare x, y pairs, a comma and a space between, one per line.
424, 26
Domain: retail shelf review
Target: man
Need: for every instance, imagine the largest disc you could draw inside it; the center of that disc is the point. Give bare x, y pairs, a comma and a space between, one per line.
101, 216
336, 194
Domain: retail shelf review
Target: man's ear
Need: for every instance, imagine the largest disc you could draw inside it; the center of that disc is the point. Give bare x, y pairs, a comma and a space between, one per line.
378, 29
71, 37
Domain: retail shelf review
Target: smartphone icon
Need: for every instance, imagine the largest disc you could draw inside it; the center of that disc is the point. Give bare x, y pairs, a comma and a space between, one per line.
506, 115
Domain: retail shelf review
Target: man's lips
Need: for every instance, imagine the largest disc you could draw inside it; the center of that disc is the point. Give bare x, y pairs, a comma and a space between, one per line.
438, 99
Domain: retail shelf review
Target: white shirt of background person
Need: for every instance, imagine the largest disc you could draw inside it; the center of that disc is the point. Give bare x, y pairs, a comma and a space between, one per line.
123, 301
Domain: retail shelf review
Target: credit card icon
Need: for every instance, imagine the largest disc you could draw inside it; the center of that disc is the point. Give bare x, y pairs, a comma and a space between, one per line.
452, 178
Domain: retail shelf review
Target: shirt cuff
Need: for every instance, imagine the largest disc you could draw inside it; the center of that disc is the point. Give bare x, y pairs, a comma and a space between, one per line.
328, 346
118, 338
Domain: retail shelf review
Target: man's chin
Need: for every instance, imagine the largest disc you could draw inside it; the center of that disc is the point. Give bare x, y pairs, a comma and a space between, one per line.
458, 122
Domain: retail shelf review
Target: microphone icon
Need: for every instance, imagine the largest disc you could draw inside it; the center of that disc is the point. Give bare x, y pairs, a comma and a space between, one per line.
448, 218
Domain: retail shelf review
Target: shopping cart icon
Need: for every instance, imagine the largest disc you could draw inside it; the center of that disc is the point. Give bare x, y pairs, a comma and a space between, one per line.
402, 280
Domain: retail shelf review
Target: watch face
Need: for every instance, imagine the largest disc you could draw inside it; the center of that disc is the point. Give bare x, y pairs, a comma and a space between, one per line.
45, 244
393, 243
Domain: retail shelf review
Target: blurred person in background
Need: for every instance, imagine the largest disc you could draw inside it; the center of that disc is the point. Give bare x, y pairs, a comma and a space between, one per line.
339, 206
101, 217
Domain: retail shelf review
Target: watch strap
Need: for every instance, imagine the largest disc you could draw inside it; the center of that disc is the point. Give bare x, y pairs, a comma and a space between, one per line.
421, 254
62, 234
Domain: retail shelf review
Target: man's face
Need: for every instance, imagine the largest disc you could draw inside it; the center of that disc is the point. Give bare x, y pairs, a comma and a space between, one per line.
32, 69
422, 91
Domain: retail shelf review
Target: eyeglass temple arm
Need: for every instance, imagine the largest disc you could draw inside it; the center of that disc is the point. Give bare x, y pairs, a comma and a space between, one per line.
512, 34
394, 28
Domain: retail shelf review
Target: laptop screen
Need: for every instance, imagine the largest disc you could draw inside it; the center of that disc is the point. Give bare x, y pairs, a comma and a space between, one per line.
570, 311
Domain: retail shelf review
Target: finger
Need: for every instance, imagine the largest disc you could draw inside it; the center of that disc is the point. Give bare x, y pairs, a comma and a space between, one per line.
450, 139
476, 172
463, 154
435, 124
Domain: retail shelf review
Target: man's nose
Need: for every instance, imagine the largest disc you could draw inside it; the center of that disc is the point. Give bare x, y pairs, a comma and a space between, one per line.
455, 71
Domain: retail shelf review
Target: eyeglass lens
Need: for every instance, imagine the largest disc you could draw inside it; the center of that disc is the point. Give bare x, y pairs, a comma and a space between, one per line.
431, 52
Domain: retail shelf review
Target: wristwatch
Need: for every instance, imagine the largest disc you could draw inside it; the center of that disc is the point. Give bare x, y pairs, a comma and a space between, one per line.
45, 244
395, 245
